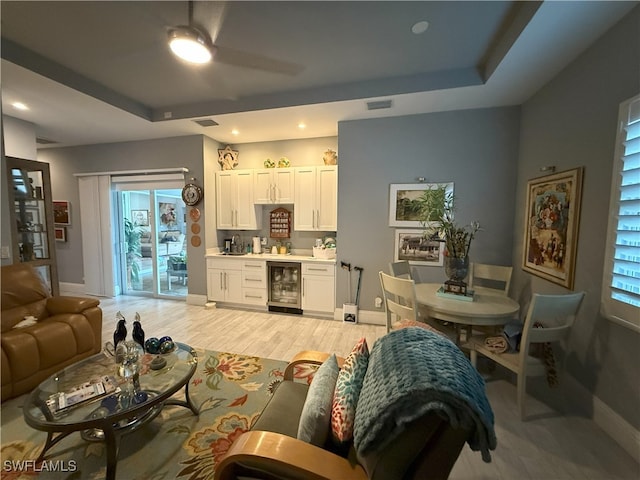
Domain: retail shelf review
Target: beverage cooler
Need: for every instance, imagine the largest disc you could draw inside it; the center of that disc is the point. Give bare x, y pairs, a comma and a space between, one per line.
285, 279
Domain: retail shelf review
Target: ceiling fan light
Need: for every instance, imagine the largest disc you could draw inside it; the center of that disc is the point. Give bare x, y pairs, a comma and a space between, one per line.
190, 45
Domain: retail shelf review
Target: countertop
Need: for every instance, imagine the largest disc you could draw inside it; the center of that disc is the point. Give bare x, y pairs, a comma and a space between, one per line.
296, 257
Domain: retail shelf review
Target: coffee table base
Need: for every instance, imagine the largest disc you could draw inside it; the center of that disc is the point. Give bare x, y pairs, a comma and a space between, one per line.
111, 433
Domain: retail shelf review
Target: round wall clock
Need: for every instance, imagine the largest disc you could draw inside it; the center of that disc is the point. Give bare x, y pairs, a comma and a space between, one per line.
191, 194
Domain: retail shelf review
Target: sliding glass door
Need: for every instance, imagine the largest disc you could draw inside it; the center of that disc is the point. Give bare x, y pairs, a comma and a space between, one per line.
153, 250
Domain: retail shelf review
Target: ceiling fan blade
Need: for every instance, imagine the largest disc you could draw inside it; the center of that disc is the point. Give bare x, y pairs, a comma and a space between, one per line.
231, 56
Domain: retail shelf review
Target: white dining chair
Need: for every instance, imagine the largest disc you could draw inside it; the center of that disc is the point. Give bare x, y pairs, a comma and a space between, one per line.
556, 314
490, 279
399, 297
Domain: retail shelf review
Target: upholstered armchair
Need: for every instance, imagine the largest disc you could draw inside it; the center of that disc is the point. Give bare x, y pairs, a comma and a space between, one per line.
420, 402
42, 334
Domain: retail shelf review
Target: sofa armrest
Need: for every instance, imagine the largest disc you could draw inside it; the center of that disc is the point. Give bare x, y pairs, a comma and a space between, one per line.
68, 304
307, 356
286, 457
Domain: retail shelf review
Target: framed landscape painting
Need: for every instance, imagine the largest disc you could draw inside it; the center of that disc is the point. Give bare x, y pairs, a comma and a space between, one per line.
417, 250
404, 206
551, 226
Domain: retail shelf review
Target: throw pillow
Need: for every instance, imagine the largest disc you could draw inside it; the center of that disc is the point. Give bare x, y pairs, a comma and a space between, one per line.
316, 412
345, 397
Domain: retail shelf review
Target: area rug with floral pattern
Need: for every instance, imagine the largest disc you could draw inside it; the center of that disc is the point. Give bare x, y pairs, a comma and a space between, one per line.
230, 390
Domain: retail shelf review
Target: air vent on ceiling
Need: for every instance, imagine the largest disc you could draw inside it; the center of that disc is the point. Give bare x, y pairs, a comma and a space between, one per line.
379, 105
44, 141
206, 122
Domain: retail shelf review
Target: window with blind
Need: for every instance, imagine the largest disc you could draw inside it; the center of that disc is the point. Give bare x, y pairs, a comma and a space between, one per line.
621, 285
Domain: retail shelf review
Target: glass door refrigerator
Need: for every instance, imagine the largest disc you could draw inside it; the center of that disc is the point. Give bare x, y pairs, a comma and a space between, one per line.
285, 279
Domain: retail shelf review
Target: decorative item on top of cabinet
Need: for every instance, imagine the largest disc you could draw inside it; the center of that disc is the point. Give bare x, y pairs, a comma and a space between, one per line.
227, 158
330, 157
280, 223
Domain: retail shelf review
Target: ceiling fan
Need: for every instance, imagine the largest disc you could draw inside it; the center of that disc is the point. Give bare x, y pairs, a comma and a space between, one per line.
193, 44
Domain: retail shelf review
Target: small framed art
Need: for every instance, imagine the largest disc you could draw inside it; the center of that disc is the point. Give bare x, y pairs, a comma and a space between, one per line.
60, 234
61, 212
411, 245
140, 217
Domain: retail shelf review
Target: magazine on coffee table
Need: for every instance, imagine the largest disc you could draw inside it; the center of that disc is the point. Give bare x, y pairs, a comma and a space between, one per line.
94, 388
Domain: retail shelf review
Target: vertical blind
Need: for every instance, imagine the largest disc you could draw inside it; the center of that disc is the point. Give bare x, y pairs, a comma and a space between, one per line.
625, 285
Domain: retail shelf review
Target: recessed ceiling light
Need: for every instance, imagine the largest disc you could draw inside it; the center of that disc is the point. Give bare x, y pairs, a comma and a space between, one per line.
19, 106
235, 131
189, 44
302, 126
420, 27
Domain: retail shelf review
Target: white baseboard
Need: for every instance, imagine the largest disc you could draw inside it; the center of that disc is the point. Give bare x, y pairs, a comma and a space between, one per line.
621, 431
370, 317
193, 299
72, 288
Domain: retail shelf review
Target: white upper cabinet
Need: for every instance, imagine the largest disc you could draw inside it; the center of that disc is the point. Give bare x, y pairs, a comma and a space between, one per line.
316, 198
273, 185
235, 203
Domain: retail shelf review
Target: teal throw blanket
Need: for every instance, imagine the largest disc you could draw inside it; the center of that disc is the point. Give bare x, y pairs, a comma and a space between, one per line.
411, 372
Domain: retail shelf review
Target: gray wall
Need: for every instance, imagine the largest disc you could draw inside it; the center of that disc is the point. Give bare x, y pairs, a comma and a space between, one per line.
572, 122
475, 149
151, 154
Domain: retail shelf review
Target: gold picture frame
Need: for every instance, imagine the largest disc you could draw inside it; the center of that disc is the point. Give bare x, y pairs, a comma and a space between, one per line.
552, 217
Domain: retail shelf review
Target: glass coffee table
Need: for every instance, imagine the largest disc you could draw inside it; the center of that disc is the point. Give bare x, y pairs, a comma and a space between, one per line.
108, 417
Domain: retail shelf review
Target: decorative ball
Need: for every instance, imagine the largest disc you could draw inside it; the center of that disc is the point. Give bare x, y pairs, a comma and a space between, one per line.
268, 163
152, 345
166, 347
166, 338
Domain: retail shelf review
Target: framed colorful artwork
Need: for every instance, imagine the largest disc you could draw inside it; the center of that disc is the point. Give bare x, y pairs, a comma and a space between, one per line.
551, 226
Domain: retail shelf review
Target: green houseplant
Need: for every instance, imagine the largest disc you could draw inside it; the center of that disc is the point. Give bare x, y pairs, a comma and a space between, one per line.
437, 219
132, 234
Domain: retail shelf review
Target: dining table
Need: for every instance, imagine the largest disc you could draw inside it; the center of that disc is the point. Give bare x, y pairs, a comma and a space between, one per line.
484, 309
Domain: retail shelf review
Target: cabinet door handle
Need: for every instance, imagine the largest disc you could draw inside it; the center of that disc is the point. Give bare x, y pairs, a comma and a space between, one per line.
221, 282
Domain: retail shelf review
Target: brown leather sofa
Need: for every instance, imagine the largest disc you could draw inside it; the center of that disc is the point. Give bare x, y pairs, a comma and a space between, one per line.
67, 329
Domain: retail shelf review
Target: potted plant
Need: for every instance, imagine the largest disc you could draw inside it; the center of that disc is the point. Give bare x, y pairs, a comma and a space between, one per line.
437, 219
132, 234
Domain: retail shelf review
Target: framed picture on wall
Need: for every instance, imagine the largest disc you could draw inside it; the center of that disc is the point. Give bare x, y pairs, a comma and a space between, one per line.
412, 246
61, 212
60, 234
140, 217
551, 226
404, 206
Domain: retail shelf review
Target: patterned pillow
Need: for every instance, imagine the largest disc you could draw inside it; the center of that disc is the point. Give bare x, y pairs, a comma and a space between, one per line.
316, 412
345, 397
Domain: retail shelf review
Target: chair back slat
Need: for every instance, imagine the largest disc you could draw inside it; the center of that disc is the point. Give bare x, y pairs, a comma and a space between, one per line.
485, 277
401, 269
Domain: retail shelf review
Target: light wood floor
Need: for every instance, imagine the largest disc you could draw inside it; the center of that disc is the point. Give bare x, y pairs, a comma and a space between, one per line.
548, 446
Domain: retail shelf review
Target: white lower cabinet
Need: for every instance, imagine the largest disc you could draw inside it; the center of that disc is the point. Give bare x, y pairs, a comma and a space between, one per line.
254, 282
318, 287
237, 281
224, 281
244, 281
